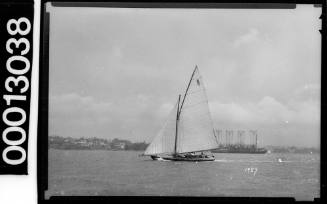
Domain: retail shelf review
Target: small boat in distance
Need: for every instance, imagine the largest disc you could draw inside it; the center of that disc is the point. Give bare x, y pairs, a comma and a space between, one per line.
188, 134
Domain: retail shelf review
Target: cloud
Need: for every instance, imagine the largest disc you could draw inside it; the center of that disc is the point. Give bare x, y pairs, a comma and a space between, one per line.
272, 111
232, 112
268, 110
249, 37
77, 115
294, 123
73, 102
308, 92
117, 52
164, 109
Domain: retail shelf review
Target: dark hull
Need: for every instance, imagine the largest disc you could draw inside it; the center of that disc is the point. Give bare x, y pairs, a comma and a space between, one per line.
190, 159
240, 151
154, 157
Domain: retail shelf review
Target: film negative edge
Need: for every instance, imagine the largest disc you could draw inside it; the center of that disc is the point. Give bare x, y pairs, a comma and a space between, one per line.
16, 54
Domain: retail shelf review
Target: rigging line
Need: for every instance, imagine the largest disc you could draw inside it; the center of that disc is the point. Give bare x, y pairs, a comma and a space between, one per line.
188, 86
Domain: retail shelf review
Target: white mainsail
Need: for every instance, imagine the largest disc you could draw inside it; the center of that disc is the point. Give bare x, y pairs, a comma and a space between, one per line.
194, 128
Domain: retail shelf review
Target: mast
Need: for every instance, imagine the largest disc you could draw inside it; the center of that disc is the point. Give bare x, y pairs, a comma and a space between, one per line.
188, 86
177, 119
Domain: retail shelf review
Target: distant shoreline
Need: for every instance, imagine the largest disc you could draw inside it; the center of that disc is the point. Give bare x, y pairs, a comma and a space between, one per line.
69, 143
58, 142
110, 150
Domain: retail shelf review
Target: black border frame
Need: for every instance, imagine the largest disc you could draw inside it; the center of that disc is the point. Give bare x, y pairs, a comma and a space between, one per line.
13, 10
42, 131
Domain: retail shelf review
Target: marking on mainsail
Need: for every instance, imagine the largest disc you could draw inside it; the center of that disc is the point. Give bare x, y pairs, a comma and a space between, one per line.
198, 82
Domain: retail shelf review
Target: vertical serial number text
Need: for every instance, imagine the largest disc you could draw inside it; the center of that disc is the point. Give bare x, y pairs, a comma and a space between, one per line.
16, 86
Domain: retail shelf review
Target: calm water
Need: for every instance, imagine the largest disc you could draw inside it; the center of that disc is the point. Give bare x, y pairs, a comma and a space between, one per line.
76, 172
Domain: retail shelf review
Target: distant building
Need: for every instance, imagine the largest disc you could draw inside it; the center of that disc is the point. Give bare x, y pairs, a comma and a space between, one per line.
83, 142
119, 145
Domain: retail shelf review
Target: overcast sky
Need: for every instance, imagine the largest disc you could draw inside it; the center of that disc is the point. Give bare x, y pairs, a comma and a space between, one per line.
117, 72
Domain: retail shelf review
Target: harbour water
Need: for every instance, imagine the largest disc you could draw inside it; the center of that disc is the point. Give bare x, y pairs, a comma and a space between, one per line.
124, 173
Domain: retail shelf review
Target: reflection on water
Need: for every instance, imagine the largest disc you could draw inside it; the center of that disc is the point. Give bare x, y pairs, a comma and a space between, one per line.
111, 173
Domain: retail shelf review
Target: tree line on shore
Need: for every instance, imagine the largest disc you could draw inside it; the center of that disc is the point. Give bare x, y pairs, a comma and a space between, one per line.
58, 142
